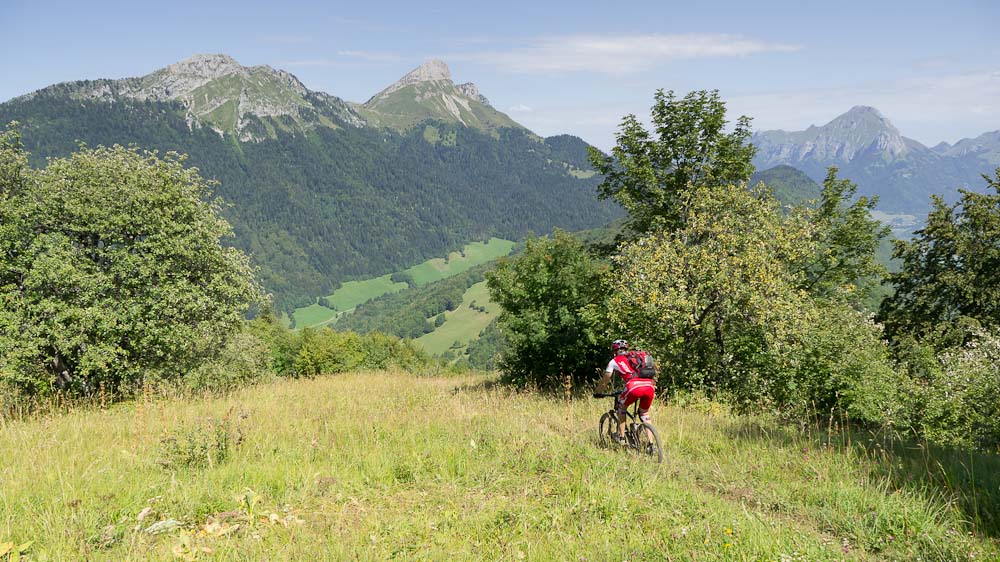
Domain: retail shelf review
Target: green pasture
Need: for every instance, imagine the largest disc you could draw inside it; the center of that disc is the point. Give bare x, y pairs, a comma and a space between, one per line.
472, 255
353, 293
463, 324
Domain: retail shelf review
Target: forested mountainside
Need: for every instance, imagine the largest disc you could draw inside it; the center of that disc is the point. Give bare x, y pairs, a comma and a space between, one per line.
316, 193
872, 152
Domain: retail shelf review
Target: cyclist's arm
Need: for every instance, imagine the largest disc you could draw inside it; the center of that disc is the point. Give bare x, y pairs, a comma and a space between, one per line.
602, 384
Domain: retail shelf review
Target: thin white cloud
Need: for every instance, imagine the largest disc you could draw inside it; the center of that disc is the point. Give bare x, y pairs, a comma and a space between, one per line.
620, 54
519, 108
286, 40
927, 108
371, 57
344, 59
930, 109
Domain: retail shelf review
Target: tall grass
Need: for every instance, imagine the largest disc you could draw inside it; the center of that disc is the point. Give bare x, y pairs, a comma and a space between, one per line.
386, 465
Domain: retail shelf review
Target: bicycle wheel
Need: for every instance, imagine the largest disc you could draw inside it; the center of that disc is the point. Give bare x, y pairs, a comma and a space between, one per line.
607, 430
649, 441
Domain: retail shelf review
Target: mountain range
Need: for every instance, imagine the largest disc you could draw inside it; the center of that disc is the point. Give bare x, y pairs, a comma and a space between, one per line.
322, 190
871, 151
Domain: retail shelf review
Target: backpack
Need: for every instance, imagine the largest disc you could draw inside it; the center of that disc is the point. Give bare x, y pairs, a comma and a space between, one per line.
642, 364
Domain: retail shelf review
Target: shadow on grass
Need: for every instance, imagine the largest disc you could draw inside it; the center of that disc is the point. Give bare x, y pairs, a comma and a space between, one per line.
970, 479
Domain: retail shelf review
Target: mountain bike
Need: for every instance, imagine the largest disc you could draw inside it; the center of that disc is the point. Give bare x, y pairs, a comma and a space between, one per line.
641, 437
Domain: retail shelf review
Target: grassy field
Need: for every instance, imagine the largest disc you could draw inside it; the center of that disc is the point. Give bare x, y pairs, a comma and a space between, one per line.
457, 469
472, 255
463, 324
353, 293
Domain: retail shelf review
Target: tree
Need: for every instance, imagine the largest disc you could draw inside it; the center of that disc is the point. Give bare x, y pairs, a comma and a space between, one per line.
846, 241
720, 303
112, 270
648, 172
948, 284
552, 298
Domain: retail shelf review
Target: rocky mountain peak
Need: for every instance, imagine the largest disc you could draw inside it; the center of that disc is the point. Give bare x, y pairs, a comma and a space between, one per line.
862, 117
430, 71
433, 70
205, 66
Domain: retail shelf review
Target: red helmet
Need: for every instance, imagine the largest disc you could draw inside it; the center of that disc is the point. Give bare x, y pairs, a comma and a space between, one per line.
618, 345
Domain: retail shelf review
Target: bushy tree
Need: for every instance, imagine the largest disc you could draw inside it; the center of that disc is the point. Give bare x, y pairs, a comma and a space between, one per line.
648, 172
552, 298
720, 301
948, 285
111, 269
846, 239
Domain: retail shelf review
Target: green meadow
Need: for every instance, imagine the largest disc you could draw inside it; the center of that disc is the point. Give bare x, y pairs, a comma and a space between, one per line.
472, 255
458, 468
353, 293
463, 324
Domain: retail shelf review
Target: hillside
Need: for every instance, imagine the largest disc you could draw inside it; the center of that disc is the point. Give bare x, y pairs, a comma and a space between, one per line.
872, 152
402, 291
790, 186
450, 468
317, 194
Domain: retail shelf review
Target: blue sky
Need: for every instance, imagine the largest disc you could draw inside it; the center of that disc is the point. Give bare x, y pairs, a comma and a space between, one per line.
933, 68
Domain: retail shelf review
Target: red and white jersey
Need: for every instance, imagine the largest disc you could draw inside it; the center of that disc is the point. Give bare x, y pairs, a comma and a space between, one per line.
621, 365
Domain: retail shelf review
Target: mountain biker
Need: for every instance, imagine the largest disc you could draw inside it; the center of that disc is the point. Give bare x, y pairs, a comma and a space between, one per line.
636, 387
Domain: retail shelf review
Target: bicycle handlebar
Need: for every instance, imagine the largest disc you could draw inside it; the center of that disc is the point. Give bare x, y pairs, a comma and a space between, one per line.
606, 394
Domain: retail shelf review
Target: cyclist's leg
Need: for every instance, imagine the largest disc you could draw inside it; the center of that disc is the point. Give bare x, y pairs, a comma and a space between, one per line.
624, 401
645, 397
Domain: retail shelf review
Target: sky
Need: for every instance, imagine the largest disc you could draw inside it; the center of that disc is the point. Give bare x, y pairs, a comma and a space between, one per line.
932, 68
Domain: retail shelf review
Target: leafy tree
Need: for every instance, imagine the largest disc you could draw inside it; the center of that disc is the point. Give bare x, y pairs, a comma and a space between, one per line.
648, 171
846, 242
720, 303
948, 284
710, 294
111, 269
552, 298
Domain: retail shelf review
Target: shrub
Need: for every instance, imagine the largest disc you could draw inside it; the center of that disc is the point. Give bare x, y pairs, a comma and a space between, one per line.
246, 359
204, 444
955, 399
553, 305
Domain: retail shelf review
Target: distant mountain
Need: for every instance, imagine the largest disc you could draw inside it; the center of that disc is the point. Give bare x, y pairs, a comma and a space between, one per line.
872, 152
322, 190
985, 147
427, 92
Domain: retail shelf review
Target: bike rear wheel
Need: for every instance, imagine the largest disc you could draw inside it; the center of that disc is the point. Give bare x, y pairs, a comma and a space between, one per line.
607, 430
648, 441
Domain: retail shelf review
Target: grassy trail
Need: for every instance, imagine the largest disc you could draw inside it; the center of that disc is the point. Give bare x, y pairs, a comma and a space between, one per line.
446, 469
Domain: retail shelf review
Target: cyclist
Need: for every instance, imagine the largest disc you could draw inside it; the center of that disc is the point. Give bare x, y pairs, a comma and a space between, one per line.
636, 387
